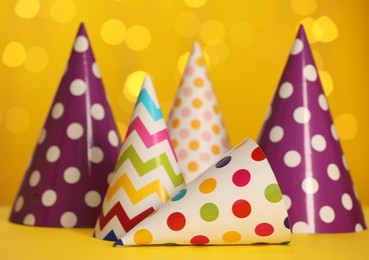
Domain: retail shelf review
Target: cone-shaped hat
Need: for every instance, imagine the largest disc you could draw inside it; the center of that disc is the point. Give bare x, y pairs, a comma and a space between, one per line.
236, 201
303, 148
76, 151
195, 123
147, 172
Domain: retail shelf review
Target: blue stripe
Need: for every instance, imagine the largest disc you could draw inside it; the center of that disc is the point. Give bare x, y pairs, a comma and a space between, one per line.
146, 100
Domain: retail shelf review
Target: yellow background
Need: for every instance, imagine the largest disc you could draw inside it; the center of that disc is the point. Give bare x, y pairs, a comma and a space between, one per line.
246, 44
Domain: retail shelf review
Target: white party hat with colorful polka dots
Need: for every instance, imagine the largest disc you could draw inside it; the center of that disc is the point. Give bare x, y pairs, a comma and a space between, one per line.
75, 153
147, 173
236, 201
195, 123
303, 148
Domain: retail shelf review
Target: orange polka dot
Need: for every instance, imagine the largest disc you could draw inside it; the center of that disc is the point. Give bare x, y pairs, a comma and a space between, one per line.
208, 185
195, 124
216, 109
231, 237
215, 149
175, 123
192, 166
142, 237
197, 103
200, 62
194, 145
178, 102
175, 143
198, 82
216, 129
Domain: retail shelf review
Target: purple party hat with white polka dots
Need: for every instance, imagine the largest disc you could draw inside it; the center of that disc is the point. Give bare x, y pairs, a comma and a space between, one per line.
301, 143
75, 153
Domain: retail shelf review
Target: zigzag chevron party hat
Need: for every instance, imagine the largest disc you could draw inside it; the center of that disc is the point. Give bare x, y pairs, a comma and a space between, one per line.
303, 148
195, 123
147, 173
236, 201
77, 149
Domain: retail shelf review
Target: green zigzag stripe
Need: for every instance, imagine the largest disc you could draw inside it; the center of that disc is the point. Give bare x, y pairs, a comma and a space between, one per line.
144, 167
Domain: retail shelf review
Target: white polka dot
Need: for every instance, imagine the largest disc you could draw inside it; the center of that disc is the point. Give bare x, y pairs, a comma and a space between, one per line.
301, 115
57, 111
78, 87
327, 214
286, 90
334, 132
333, 172
29, 219
310, 72
93, 199
310, 185
97, 111
358, 227
113, 138
19, 204
42, 136
322, 100
96, 155
71, 175
347, 201
300, 227
269, 112
297, 47
53, 154
48, 198
292, 158
110, 177
276, 134
345, 162
75, 131
35, 178
287, 201
95, 70
318, 143
68, 219
81, 44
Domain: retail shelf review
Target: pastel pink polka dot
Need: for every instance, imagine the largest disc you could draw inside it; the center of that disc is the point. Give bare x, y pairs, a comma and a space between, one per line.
183, 154
187, 91
224, 142
184, 133
186, 112
189, 70
208, 95
206, 136
207, 115
205, 157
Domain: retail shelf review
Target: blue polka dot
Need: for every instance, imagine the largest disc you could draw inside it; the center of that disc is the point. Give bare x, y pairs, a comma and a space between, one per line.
180, 195
286, 223
223, 162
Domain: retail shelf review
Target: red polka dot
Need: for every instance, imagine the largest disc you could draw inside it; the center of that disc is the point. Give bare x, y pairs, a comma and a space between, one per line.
264, 229
176, 221
199, 240
241, 208
241, 177
258, 154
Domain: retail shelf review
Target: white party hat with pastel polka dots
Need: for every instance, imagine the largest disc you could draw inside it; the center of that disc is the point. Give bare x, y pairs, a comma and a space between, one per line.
236, 201
75, 153
301, 143
195, 123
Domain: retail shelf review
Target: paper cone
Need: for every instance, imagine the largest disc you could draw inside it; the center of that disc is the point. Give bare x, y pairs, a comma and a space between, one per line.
237, 201
301, 142
147, 172
195, 123
76, 151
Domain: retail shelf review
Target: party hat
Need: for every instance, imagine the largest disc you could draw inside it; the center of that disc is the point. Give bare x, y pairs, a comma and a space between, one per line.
236, 201
195, 123
147, 172
76, 151
303, 148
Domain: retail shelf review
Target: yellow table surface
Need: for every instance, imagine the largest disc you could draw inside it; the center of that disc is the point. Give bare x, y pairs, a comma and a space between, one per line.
23, 242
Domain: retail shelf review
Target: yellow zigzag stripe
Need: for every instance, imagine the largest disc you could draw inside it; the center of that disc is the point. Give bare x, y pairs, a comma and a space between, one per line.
138, 195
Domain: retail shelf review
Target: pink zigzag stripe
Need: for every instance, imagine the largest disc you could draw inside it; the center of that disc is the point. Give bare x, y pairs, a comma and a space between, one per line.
148, 139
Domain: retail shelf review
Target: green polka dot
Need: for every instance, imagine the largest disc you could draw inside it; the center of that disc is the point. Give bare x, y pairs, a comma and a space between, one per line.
273, 193
209, 212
